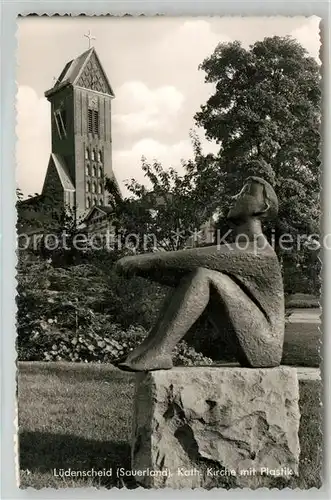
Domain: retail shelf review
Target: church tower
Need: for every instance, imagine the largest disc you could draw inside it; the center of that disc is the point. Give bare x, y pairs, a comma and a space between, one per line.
81, 155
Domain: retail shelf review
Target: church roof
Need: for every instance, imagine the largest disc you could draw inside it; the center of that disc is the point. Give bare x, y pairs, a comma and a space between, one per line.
100, 209
72, 71
73, 68
62, 171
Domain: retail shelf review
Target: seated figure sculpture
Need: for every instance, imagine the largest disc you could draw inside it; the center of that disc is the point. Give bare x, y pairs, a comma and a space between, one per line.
237, 284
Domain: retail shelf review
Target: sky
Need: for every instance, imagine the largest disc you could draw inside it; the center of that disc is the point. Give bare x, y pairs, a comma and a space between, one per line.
152, 65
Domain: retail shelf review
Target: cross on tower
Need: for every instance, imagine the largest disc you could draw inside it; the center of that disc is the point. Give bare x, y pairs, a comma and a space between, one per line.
90, 37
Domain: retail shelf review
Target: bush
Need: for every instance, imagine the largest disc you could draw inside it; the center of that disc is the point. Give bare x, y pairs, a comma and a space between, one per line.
185, 355
50, 344
134, 301
85, 313
91, 286
302, 300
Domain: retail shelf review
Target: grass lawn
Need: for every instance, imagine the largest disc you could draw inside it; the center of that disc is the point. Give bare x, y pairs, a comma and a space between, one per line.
310, 436
78, 416
302, 344
73, 415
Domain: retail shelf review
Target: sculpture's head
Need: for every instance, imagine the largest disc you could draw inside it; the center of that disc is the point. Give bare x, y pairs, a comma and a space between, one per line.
256, 199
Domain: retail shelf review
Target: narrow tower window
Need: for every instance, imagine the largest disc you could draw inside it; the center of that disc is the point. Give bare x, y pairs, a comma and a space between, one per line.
93, 121
88, 186
87, 154
100, 171
94, 171
100, 188
88, 203
87, 169
100, 156
94, 187
96, 122
60, 120
90, 121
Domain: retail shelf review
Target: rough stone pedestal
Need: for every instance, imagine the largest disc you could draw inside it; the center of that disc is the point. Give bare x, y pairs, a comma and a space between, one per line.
216, 427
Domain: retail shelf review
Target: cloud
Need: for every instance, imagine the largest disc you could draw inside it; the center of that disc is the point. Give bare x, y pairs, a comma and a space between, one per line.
153, 110
190, 44
34, 140
182, 50
127, 163
308, 36
165, 112
144, 109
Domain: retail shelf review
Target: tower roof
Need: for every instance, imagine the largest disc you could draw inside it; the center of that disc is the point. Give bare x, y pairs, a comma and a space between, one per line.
73, 70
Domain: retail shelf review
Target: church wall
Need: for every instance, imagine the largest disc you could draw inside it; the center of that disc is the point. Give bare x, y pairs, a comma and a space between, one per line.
102, 101
80, 100
108, 164
83, 139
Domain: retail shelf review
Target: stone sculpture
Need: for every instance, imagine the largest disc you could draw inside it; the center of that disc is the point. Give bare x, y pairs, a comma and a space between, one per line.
239, 285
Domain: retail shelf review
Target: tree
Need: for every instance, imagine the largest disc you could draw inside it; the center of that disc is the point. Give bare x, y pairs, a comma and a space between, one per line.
265, 114
169, 212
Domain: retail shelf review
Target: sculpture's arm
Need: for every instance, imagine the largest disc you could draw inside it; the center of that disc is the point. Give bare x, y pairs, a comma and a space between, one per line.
169, 267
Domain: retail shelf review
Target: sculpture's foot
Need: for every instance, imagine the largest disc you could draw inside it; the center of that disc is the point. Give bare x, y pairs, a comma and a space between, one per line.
118, 361
161, 362
127, 359
134, 353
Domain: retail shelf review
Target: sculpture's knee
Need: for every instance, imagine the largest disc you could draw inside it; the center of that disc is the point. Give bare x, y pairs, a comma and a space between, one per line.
200, 274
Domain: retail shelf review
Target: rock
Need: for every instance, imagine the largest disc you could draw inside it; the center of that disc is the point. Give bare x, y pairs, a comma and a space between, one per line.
215, 427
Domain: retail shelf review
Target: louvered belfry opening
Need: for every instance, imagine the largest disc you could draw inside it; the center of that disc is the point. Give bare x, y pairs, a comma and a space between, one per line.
93, 122
90, 121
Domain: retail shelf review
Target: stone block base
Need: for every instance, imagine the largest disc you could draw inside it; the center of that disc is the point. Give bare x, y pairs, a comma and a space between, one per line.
215, 427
